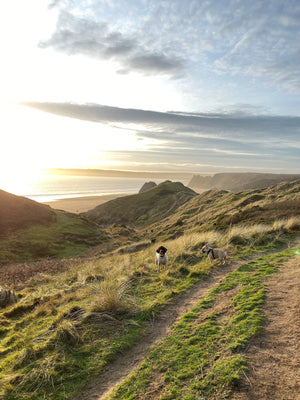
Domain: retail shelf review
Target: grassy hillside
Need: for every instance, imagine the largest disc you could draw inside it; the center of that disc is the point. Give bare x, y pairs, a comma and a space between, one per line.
220, 210
65, 327
143, 208
68, 235
18, 212
30, 231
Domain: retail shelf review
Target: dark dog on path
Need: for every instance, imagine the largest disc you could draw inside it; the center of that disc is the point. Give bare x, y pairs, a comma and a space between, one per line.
161, 257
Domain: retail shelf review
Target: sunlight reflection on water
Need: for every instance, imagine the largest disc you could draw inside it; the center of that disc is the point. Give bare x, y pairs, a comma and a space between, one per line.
44, 188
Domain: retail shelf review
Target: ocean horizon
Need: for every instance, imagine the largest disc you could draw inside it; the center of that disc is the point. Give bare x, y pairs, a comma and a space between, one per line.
48, 188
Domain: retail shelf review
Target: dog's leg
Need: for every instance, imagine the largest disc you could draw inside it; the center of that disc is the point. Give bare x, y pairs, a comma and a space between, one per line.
210, 259
158, 270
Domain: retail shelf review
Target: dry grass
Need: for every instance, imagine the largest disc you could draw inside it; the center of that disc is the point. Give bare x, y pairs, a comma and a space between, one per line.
288, 225
111, 295
117, 285
245, 232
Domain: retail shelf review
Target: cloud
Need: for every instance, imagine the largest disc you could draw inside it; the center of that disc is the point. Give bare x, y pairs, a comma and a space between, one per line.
180, 138
178, 39
81, 35
263, 43
222, 125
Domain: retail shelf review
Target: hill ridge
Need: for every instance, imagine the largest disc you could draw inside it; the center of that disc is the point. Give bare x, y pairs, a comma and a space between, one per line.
143, 208
17, 212
239, 180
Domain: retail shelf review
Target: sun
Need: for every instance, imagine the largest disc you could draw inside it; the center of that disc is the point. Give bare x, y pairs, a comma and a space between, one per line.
34, 140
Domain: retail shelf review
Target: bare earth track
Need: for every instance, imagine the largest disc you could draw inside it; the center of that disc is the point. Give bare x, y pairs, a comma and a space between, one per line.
273, 358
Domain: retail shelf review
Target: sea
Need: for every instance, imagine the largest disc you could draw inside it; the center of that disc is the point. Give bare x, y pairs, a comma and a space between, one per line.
48, 188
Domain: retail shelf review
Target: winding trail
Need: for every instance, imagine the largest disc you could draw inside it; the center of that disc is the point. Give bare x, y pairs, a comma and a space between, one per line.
157, 330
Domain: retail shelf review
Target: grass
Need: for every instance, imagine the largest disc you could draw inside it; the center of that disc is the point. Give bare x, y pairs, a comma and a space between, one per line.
217, 210
202, 358
68, 236
66, 328
138, 210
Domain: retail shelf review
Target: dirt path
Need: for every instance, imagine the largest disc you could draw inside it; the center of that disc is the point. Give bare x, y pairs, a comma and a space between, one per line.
274, 357
156, 331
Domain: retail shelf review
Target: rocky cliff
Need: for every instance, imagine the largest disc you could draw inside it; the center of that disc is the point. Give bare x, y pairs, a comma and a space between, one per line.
239, 181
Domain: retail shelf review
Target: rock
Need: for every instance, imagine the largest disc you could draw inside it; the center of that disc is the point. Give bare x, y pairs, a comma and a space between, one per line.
7, 297
147, 186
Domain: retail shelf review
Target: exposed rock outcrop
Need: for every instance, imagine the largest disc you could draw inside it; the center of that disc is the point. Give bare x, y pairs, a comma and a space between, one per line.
147, 186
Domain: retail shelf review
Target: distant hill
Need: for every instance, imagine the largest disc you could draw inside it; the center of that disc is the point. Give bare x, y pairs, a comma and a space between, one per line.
239, 181
142, 208
146, 186
219, 209
18, 212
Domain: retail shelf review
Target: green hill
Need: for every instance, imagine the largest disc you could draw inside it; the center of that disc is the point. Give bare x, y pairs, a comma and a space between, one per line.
143, 208
18, 212
219, 209
30, 231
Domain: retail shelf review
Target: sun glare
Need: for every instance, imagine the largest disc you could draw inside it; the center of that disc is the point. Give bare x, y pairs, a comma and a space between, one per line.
33, 140
19, 181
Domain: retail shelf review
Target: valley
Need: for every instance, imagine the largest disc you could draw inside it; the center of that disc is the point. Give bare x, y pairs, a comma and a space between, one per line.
103, 323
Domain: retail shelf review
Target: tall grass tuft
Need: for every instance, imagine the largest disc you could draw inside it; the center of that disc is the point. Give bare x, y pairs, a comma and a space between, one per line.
67, 333
241, 234
289, 225
192, 242
111, 295
42, 376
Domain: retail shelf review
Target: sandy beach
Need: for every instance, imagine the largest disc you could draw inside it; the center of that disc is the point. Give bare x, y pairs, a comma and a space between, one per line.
82, 204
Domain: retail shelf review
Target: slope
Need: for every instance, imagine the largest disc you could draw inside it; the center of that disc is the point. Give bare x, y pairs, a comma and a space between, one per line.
143, 208
219, 209
18, 212
67, 328
30, 231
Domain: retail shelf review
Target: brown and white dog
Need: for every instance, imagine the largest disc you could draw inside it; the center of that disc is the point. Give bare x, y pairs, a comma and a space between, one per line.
214, 254
161, 257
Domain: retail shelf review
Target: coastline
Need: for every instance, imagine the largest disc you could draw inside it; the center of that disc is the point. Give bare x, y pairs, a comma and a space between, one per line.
78, 205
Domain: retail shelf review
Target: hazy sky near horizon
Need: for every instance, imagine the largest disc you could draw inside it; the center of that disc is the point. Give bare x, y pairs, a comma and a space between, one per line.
196, 86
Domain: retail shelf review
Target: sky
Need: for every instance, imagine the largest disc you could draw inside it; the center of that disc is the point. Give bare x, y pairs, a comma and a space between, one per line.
202, 86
